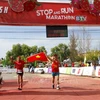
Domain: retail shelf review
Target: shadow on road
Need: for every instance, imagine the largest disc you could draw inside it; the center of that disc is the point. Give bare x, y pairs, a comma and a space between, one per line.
48, 91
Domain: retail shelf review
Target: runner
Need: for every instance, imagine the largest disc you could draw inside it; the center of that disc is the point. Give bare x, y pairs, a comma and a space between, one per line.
19, 65
55, 70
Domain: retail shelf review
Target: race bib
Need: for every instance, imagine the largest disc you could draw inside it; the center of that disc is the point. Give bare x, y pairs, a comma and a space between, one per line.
19, 71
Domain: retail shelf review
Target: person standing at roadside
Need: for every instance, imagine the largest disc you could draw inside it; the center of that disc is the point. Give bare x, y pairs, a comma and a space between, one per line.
1, 78
19, 65
55, 70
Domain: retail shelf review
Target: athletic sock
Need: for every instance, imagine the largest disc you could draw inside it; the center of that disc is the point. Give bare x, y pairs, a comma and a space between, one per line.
53, 86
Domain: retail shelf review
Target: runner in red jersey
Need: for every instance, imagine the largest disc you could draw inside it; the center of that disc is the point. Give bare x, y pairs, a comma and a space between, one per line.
19, 65
55, 70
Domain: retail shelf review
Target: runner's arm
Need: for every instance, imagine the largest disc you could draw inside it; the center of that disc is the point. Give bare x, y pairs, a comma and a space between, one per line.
11, 59
49, 58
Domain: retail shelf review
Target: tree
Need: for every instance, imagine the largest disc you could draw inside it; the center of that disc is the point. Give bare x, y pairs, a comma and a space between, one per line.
61, 50
84, 43
73, 46
8, 55
42, 49
25, 50
88, 42
3, 62
33, 49
93, 55
16, 50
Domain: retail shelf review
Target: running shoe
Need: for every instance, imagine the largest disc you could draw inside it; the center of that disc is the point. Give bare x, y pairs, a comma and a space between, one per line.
58, 87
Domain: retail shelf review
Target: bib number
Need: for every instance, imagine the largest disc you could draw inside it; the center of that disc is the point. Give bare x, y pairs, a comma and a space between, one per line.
19, 71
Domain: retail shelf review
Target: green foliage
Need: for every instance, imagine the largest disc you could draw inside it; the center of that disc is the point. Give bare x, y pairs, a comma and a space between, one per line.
61, 50
24, 51
16, 50
79, 58
93, 55
33, 49
42, 49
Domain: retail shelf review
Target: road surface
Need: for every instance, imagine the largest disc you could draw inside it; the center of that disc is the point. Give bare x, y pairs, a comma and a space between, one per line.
39, 87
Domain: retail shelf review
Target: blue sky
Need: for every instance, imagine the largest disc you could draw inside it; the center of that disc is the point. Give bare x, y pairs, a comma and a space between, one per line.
33, 35
36, 35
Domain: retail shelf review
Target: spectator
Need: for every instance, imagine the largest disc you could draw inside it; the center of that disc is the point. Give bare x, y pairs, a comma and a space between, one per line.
1, 78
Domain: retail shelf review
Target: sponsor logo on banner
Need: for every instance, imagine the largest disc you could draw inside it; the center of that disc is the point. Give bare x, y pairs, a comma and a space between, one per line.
99, 72
73, 71
78, 71
87, 71
81, 18
49, 70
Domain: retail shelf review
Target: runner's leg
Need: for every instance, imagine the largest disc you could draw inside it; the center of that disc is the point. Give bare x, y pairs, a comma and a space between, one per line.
18, 81
21, 84
53, 81
58, 87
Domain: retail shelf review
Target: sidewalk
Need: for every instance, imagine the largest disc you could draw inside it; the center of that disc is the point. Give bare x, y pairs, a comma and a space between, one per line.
39, 87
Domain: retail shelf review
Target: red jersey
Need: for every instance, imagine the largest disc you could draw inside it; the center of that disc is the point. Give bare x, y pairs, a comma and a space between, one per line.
55, 66
19, 65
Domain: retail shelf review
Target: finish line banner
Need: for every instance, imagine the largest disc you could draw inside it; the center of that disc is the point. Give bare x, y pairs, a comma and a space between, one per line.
47, 14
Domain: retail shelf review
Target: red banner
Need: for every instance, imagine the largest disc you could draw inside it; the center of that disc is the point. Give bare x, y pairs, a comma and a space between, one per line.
47, 14
37, 57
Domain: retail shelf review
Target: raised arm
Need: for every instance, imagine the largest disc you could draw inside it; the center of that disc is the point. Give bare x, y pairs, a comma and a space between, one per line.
12, 60
49, 58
